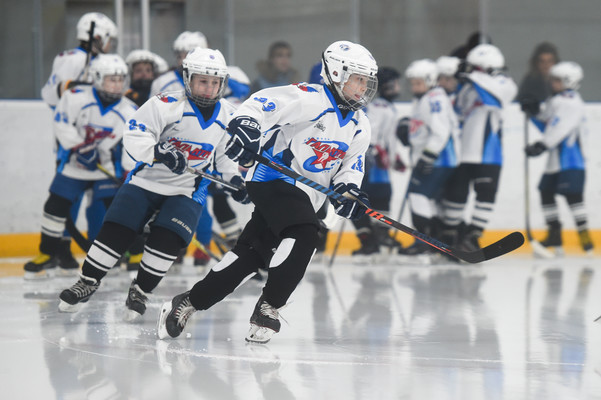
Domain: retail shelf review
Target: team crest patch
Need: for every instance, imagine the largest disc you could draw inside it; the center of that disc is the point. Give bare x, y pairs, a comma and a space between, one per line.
306, 88
328, 154
166, 99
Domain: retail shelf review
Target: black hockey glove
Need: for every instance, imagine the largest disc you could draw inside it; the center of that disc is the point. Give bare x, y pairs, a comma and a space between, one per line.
349, 207
535, 149
530, 106
425, 164
402, 130
88, 158
245, 140
171, 156
241, 196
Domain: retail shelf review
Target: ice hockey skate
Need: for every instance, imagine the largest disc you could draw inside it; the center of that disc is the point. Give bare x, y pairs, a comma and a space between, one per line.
41, 267
174, 316
67, 264
135, 302
264, 322
72, 298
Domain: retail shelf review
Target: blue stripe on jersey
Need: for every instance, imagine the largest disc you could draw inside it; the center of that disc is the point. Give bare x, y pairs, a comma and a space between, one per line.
264, 173
205, 124
492, 152
540, 125
447, 157
139, 165
200, 194
570, 157
486, 97
341, 120
62, 156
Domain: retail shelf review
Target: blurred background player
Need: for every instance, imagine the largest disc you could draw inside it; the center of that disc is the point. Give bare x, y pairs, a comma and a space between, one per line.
144, 67
563, 124
173, 80
376, 181
88, 123
447, 67
484, 91
322, 134
432, 134
168, 133
96, 34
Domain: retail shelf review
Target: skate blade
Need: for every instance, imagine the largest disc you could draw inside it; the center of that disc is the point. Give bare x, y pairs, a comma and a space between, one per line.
65, 307
132, 316
541, 251
161, 323
70, 272
259, 334
39, 276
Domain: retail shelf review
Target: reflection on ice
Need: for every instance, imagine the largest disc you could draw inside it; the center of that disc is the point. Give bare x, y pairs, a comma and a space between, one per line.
513, 328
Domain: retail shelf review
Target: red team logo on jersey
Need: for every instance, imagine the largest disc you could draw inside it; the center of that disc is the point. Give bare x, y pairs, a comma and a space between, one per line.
415, 125
95, 133
198, 152
327, 154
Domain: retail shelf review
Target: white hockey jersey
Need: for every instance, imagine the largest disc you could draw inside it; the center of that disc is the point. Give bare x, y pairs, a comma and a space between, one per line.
67, 66
563, 123
171, 117
80, 119
303, 129
480, 103
383, 119
434, 127
170, 81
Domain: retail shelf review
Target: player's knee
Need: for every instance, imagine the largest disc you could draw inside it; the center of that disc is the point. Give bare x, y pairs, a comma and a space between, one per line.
165, 241
56, 205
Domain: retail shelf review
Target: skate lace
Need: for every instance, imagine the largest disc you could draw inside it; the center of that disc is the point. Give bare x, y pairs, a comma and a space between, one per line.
183, 311
269, 311
82, 289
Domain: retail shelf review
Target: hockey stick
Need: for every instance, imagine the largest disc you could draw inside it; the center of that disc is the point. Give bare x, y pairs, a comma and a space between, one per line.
500, 247
337, 244
537, 247
89, 53
202, 247
403, 204
77, 236
213, 178
109, 175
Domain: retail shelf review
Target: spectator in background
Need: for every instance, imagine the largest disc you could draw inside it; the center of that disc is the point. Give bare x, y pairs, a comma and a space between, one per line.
277, 69
536, 85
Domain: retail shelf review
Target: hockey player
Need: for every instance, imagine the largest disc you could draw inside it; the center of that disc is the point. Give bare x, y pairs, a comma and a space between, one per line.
376, 182
318, 131
96, 34
88, 123
447, 69
144, 67
71, 67
168, 133
484, 91
562, 122
432, 133
173, 80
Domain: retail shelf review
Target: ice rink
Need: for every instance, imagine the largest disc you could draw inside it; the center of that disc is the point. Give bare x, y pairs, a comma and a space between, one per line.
511, 328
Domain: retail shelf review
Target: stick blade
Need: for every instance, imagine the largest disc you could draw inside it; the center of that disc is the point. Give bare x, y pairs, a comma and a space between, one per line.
507, 244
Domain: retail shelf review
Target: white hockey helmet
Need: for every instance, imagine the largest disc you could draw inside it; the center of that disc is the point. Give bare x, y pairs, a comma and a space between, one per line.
569, 73
109, 65
187, 41
205, 62
447, 65
104, 28
140, 55
424, 69
162, 65
486, 57
238, 84
341, 60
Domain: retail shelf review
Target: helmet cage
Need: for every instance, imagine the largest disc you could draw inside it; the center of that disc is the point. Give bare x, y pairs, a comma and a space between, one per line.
209, 63
336, 71
104, 66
